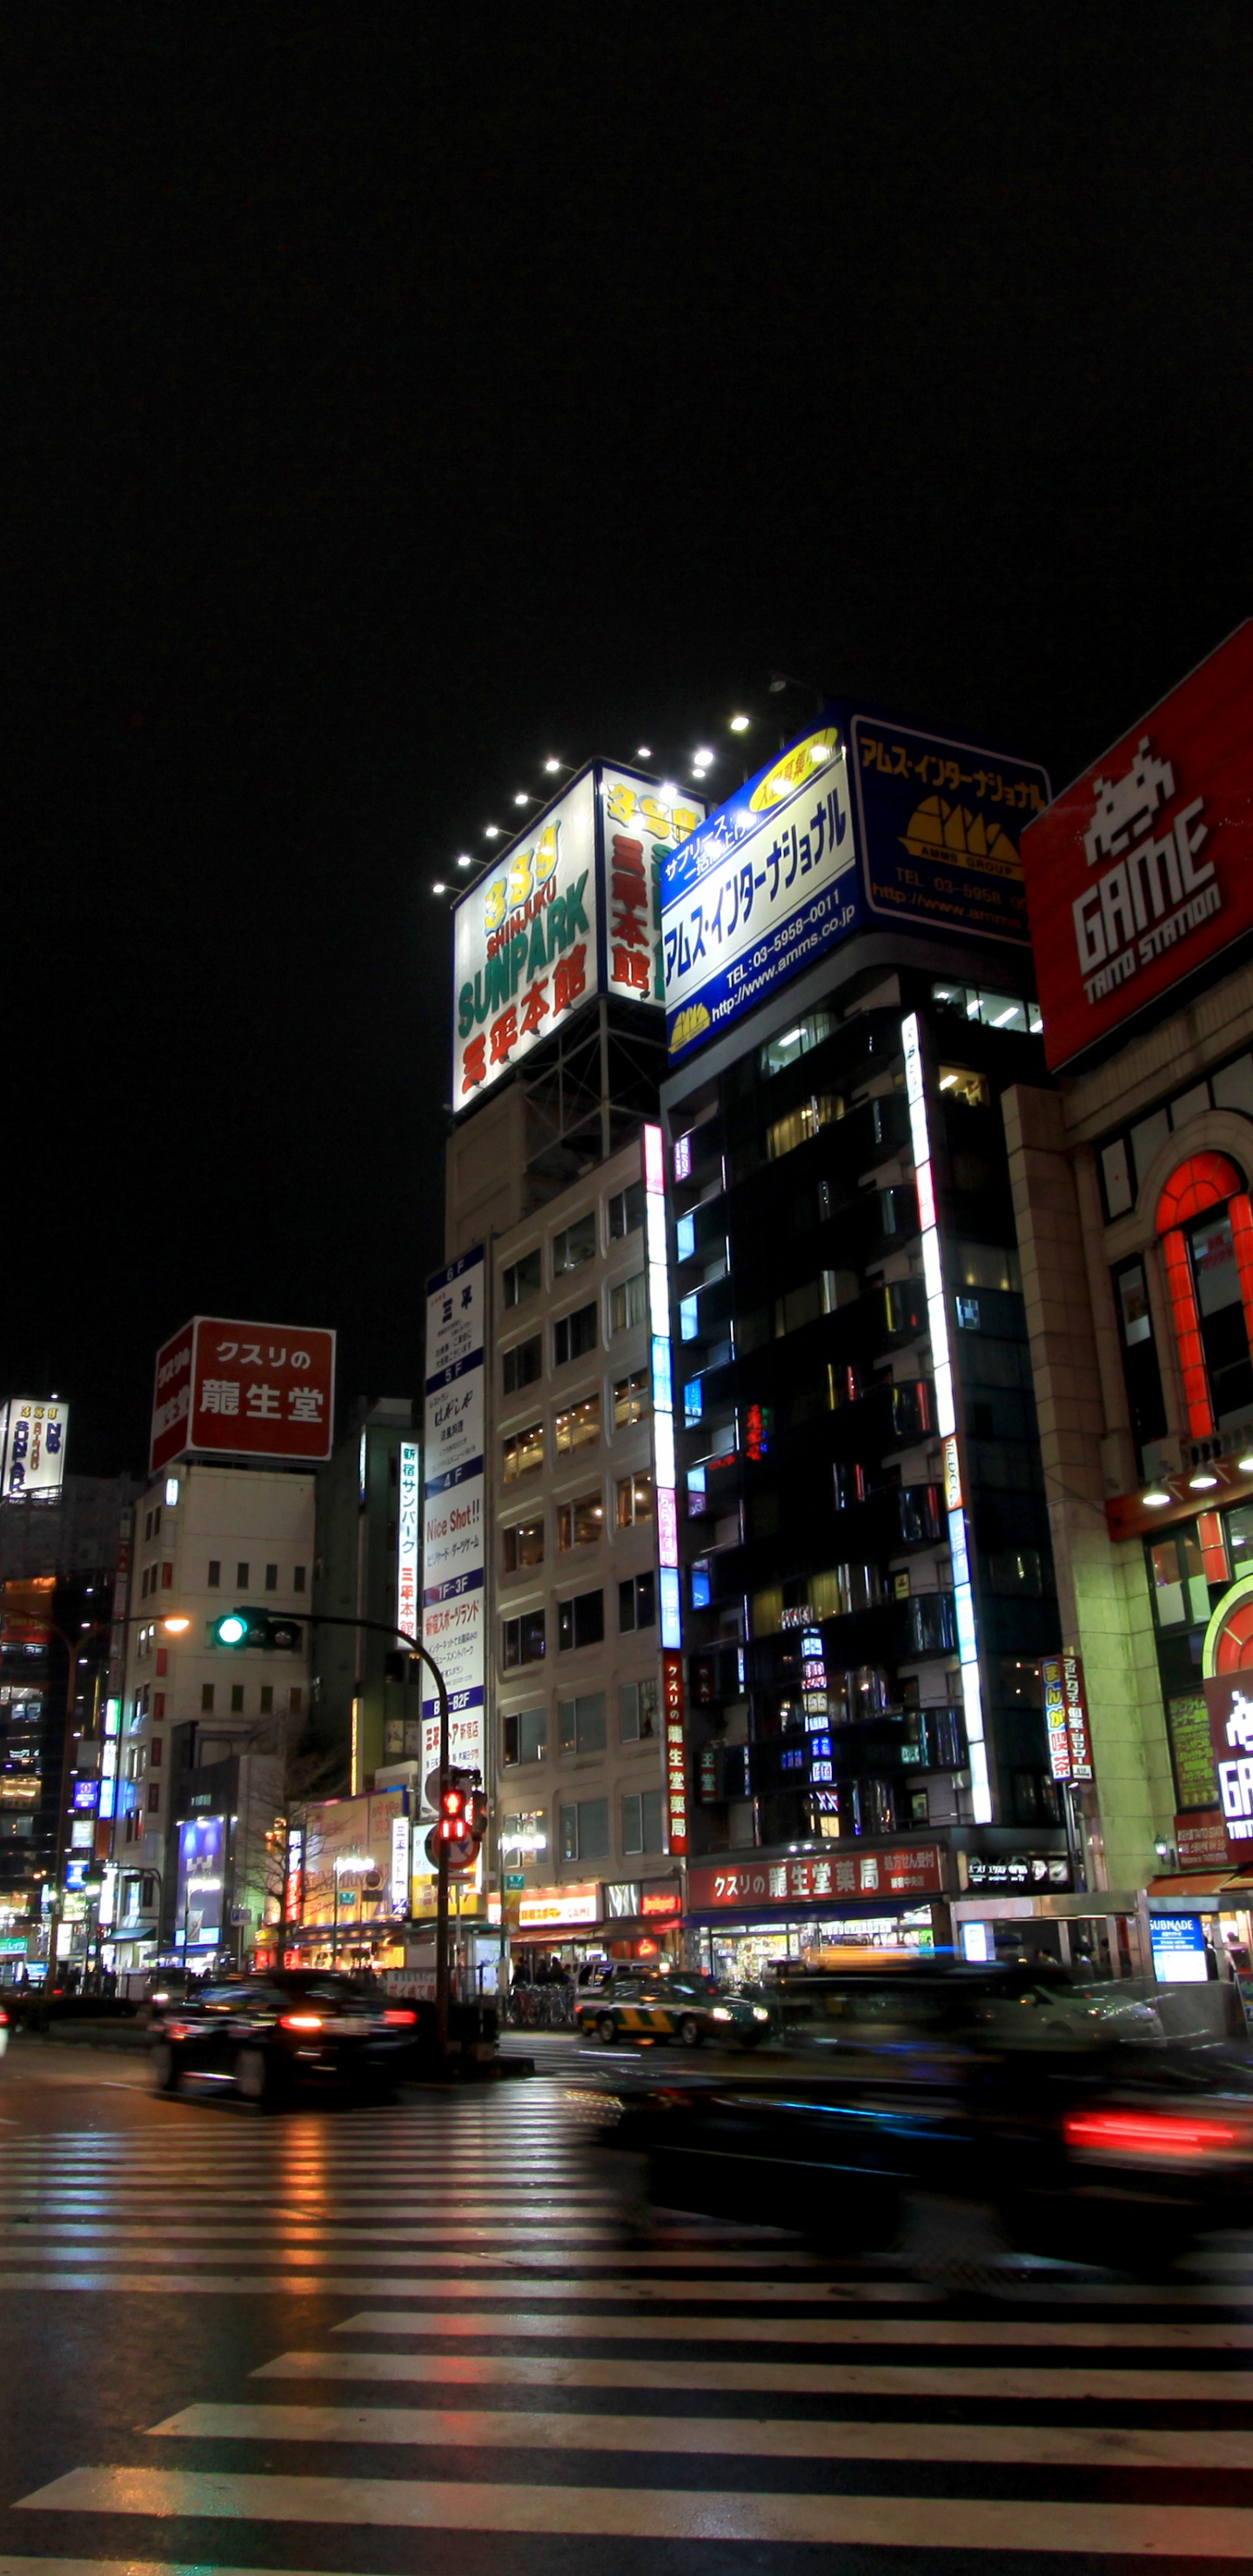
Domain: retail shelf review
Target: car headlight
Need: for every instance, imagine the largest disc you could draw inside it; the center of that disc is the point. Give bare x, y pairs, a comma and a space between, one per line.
720, 2013
760, 2013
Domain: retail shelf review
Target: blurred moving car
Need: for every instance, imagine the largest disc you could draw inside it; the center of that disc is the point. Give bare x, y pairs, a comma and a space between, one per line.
289, 2031
4, 2030
686, 2006
1088, 2129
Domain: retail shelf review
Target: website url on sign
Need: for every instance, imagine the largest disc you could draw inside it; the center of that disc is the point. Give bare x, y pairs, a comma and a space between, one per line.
797, 938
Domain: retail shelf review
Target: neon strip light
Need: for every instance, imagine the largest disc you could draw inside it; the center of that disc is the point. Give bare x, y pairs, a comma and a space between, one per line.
1188, 1335
946, 1421
663, 1392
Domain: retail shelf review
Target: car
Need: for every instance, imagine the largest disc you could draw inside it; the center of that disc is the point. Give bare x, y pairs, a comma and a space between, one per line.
290, 2031
4, 2030
686, 2007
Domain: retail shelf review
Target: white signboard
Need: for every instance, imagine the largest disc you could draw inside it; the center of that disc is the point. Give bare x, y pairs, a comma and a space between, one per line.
408, 1522
32, 1447
452, 1578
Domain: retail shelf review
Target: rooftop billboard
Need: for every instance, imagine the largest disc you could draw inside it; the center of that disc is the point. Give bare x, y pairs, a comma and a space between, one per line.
571, 912
1143, 870
32, 1448
244, 1391
858, 823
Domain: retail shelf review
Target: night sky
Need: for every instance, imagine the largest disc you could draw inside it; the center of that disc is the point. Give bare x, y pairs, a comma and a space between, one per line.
394, 396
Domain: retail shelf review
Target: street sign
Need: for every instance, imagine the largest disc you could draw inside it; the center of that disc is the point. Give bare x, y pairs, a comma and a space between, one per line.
515, 1879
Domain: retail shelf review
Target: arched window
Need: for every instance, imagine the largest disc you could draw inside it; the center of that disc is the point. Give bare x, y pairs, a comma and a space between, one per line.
1205, 1223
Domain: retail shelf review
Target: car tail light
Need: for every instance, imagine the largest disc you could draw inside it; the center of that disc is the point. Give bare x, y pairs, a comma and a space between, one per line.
4, 2018
1161, 2136
177, 2030
300, 2021
396, 2019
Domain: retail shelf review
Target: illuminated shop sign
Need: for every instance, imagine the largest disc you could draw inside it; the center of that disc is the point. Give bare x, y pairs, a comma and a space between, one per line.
912, 1870
559, 1907
946, 1421
32, 1448
1227, 1675
452, 1511
408, 1519
662, 1386
675, 1718
1066, 1717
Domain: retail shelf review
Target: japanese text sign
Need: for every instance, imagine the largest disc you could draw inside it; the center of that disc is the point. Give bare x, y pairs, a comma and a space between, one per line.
1066, 1717
572, 910
407, 1524
939, 825
676, 1750
32, 1447
245, 1391
913, 1870
452, 1509
1143, 870
1229, 1699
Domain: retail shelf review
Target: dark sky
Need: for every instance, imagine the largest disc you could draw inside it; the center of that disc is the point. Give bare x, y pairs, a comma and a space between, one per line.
394, 395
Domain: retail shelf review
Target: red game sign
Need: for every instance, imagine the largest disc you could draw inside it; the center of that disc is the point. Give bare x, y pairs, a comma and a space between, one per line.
244, 1391
1143, 869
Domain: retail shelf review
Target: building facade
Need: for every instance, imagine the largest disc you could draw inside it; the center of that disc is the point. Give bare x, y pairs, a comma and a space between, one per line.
365, 1710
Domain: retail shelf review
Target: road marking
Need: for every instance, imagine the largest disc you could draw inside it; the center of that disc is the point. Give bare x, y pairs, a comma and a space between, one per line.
515, 2285
1050, 2446
1199, 2532
1080, 2381
310, 2242
846, 2329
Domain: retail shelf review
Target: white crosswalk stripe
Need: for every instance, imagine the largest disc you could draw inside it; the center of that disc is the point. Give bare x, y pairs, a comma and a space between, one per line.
526, 2364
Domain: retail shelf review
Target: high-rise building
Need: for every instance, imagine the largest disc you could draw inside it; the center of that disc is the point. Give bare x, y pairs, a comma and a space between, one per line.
366, 1703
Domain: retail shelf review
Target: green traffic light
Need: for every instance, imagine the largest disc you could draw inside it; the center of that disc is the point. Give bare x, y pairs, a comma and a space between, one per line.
232, 1629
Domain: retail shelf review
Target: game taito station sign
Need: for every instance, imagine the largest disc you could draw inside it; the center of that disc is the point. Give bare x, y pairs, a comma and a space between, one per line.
1143, 870
859, 823
572, 911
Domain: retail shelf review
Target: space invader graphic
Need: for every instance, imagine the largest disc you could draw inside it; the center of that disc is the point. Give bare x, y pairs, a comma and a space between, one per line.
1240, 1722
1126, 806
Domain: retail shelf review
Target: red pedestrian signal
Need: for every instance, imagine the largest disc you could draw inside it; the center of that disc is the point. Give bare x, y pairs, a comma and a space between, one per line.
459, 1827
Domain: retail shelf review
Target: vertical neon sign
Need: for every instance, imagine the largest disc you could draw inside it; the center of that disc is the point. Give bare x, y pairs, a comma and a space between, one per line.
663, 1393
946, 1423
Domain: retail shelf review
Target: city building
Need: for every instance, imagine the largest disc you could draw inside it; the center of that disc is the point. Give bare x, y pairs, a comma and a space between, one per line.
365, 1707
868, 1601
1132, 1178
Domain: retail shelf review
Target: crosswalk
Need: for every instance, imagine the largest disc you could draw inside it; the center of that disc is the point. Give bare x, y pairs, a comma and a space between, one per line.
496, 2347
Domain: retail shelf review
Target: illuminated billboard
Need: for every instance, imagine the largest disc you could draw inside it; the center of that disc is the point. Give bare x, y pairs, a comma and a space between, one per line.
859, 823
350, 1860
244, 1391
32, 1448
572, 911
452, 1511
1142, 872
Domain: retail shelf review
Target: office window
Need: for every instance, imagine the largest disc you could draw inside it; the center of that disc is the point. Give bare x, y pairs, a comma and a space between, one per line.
154, 1797
580, 1523
523, 1640
585, 1830
958, 1083
237, 1699
147, 1527
579, 1426
523, 1452
206, 1697
522, 1278
296, 1699
630, 1400
635, 1500
155, 1751
298, 1578
809, 1032
785, 1134
574, 1335
524, 1736
523, 1545
580, 1622
524, 1837
628, 1303
626, 1211
637, 1603
271, 1578
523, 1364
581, 1723
639, 1711
215, 1572
643, 1826
576, 1245
267, 1699
241, 1575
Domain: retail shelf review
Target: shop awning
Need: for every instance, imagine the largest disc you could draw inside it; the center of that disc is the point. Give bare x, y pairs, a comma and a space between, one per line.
1190, 1882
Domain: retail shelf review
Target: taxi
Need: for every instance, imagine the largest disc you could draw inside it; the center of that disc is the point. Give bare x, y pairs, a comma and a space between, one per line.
686, 2007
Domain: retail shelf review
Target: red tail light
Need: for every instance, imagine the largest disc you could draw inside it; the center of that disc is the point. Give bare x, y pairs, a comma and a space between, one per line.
1156, 2134
396, 2018
300, 2021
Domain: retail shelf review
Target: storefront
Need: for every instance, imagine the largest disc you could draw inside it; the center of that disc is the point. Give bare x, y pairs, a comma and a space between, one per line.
746, 1917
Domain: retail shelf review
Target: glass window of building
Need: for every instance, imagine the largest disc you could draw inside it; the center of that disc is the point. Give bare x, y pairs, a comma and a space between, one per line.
575, 1244
581, 1522
524, 1736
784, 1134
522, 1452
628, 1303
522, 1639
579, 1426
1178, 1579
643, 1824
635, 1500
522, 1545
585, 1829
1220, 1305
523, 1364
580, 1622
574, 1335
1133, 1303
630, 1399
522, 1278
778, 1053
970, 1090
524, 1837
581, 1723
637, 1602
626, 1211
639, 1710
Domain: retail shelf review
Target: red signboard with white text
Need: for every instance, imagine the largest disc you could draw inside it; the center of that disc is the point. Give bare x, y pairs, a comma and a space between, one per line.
912, 1870
244, 1391
1143, 870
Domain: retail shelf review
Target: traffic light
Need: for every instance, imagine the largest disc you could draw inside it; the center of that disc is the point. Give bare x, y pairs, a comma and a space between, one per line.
267, 1629
459, 1826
